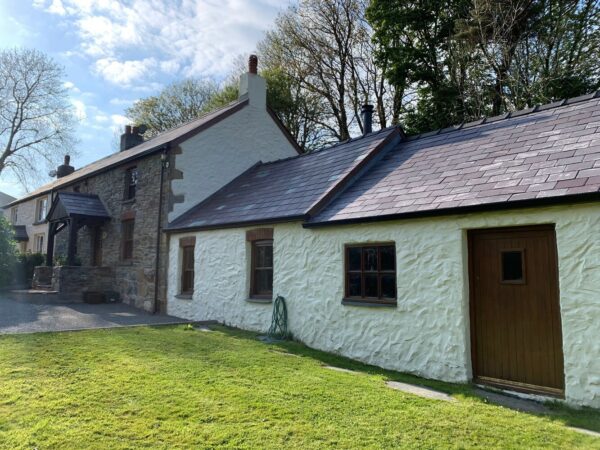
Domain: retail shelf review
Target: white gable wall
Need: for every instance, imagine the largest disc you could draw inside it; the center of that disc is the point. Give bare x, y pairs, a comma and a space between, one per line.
217, 155
428, 332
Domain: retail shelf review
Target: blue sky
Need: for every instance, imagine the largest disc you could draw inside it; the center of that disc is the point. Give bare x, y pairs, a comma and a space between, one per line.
115, 52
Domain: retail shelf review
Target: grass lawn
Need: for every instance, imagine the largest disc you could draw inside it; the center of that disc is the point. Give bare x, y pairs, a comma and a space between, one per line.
168, 387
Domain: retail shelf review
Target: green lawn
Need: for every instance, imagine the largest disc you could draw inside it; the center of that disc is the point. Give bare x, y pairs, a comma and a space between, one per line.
168, 387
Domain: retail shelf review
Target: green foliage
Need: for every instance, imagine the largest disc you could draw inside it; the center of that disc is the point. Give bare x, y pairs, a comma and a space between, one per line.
165, 387
25, 265
61, 260
176, 104
462, 59
8, 252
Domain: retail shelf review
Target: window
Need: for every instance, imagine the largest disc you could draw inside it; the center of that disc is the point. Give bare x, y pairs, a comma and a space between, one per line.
371, 273
131, 180
127, 227
38, 243
262, 269
14, 215
513, 266
187, 265
41, 209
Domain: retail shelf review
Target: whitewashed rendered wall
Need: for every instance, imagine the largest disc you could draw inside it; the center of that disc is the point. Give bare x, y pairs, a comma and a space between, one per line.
428, 332
220, 153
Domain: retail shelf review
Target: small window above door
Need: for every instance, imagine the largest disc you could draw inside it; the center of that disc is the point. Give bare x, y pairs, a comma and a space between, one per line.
512, 264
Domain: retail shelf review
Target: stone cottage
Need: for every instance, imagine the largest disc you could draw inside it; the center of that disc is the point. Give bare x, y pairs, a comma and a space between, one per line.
107, 217
470, 253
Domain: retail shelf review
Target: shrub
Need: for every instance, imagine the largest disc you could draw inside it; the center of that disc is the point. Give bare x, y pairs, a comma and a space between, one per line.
8, 253
26, 263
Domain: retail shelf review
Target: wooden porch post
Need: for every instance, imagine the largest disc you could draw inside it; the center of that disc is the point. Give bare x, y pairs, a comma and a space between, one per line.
50, 248
72, 241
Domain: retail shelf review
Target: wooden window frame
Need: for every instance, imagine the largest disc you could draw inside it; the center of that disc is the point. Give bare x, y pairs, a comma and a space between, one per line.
130, 188
253, 269
125, 241
14, 214
363, 299
38, 209
36, 239
183, 288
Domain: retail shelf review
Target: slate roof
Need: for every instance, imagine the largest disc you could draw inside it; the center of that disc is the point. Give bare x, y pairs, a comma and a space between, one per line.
176, 134
67, 204
286, 189
20, 233
527, 157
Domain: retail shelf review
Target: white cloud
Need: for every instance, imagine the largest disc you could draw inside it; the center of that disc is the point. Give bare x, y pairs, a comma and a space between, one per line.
123, 73
102, 118
121, 102
56, 7
70, 86
119, 120
194, 37
80, 110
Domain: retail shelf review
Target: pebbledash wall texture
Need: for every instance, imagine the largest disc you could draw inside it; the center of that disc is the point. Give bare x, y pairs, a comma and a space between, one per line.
428, 332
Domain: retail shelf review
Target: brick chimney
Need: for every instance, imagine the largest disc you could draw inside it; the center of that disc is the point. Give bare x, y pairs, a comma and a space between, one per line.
65, 169
253, 86
132, 136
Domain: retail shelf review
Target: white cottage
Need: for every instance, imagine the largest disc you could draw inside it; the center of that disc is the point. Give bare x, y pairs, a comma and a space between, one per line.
467, 254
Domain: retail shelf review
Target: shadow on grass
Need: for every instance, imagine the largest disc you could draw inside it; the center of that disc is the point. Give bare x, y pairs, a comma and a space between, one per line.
586, 418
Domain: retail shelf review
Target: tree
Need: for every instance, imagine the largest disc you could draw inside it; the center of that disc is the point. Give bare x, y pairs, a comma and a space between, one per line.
36, 117
176, 104
462, 59
323, 49
8, 253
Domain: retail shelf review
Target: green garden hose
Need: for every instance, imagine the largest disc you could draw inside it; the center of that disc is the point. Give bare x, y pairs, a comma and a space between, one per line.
279, 328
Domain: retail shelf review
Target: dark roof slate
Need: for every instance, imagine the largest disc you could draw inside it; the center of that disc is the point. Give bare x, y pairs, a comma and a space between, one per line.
284, 189
550, 152
173, 135
67, 204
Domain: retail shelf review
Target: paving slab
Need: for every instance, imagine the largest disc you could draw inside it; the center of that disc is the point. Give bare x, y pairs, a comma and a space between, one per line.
21, 316
518, 404
421, 391
341, 369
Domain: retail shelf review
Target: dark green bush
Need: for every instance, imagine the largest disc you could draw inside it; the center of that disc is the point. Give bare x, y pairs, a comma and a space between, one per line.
8, 253
25, 265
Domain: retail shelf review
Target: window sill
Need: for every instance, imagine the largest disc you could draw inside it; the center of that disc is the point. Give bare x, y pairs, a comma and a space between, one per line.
128, 201
185, 296
39, 222
352, 302
259, 300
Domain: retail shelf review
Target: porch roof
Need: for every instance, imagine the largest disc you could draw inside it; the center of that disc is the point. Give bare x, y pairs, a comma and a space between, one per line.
71, 204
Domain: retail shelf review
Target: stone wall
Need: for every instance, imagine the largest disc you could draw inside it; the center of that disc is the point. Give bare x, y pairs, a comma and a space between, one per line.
427, 333
133, 279
75, 280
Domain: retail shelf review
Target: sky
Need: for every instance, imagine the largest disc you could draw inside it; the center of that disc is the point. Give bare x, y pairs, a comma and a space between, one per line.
115, 52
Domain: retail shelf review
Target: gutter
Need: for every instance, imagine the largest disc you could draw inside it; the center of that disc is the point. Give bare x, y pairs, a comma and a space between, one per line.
163, 163
508, 205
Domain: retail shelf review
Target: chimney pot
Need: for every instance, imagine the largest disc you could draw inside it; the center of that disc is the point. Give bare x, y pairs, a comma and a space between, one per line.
367, 119
65, 169
132, 137
253, 64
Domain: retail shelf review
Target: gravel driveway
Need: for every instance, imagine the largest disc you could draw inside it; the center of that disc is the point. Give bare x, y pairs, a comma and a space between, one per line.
29, 317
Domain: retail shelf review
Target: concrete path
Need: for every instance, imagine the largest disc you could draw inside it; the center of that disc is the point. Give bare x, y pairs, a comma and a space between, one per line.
420, 391
30, 317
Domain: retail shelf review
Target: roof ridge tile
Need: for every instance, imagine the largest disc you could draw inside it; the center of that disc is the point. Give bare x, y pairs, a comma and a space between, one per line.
507, 115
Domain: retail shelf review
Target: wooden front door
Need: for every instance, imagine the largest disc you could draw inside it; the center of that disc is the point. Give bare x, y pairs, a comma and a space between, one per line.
516, 335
